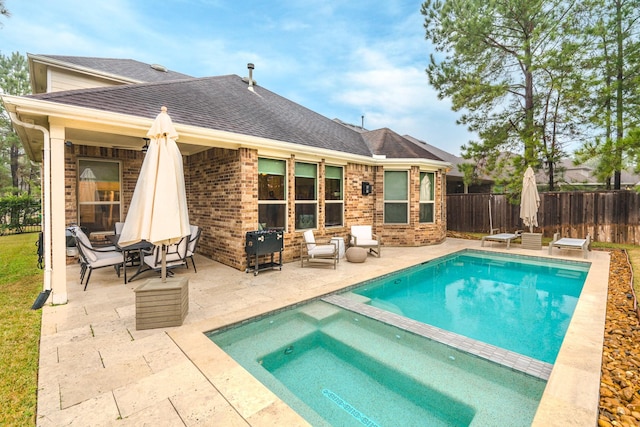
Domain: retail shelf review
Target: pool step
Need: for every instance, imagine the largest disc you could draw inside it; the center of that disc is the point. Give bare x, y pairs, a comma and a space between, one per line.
489, 352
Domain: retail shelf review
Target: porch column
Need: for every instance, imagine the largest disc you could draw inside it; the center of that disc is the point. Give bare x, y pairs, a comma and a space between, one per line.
58, 216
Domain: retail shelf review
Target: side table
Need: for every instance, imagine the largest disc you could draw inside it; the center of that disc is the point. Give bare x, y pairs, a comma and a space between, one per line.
339, 241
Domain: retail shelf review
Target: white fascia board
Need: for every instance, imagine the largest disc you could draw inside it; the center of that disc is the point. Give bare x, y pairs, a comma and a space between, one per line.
424, 164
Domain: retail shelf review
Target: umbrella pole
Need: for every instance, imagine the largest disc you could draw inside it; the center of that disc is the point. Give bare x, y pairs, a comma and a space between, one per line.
163, 269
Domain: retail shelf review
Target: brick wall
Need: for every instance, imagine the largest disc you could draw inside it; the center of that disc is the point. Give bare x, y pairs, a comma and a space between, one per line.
220, 185
222, 194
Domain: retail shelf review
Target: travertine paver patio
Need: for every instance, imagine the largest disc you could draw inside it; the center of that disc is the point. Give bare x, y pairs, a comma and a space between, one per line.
97, 369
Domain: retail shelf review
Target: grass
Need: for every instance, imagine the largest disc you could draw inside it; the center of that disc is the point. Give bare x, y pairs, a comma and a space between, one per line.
21, 282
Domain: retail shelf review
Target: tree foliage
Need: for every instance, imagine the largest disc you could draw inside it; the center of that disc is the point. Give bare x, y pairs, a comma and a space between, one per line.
508, 65
613, 68
16, 170
3, 10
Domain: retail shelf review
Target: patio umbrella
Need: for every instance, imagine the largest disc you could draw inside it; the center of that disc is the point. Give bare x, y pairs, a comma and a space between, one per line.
425, 188
158, 212
529, 200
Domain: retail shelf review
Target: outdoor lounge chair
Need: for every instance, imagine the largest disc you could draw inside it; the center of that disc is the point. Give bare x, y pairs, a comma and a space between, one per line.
312, 251
502, 238
363, 237
92, 258
568, 243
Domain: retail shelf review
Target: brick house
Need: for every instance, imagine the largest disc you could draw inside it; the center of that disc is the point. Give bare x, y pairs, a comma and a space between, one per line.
250, 157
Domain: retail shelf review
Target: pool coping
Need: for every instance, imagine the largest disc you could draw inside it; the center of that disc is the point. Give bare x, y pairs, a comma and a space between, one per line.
571, 396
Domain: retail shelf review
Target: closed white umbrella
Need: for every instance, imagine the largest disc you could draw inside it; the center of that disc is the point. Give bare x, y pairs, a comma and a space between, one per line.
158, 211
529, 200
87, 194
425, 188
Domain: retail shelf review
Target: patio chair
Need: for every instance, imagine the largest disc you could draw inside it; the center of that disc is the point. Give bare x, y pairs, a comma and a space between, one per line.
92, 258
502, 237
363, 237
176, 257
568, 243
315, 252
192, 245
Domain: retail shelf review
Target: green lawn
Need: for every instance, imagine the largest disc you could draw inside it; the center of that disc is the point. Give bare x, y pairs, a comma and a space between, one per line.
21, 282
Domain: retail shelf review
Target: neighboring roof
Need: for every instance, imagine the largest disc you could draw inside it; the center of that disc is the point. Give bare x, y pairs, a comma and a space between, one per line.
390, 144
132, 70
447, 157
220, 103
582, 174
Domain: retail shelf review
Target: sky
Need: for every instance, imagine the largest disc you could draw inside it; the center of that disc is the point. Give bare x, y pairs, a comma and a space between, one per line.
342, 59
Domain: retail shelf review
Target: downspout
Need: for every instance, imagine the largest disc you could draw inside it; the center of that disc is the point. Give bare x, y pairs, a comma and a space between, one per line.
46, 194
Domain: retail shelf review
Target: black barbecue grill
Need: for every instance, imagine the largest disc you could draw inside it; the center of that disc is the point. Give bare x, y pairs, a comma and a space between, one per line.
260, 244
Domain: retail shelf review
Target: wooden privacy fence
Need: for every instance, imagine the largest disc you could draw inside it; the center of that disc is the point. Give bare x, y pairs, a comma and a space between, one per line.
608, 216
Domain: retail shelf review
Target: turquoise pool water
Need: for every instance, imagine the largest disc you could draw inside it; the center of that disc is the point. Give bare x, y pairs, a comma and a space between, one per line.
522, 304
339, 368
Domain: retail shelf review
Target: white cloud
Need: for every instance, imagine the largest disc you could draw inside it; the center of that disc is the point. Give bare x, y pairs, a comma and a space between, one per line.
400, 98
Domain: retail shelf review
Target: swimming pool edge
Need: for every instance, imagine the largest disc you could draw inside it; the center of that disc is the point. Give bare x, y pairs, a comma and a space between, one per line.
570, 398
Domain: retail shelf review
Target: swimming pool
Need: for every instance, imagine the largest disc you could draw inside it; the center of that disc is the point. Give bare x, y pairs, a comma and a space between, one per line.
519, 303
336, 367
318, 372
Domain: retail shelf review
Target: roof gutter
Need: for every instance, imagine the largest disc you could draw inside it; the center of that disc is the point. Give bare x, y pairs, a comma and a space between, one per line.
46, 197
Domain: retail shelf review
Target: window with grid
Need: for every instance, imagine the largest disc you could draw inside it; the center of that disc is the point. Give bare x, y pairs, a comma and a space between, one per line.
427, 199
306, 190
272, 193
333, 196
396, 197
99, 193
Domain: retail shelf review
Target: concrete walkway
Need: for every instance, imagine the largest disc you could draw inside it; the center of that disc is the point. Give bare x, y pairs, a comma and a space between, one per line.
96, 369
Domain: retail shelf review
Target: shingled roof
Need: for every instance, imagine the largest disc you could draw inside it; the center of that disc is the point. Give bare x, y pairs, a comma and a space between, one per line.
390, 144
221, 103
127, 68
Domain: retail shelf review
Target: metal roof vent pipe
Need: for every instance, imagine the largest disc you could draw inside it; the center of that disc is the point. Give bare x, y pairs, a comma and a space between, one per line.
250, 66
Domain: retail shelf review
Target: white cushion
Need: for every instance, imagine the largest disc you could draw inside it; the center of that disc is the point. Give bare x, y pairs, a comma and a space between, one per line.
192, 243
309, 239
106, 258
86, 246
322, 250
362, 232
365, 242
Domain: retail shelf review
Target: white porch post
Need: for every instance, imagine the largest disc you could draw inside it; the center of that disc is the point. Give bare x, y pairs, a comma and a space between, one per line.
58, 216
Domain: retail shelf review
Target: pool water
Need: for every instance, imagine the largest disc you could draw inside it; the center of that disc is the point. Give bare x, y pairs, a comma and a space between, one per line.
338, 368
522, 304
